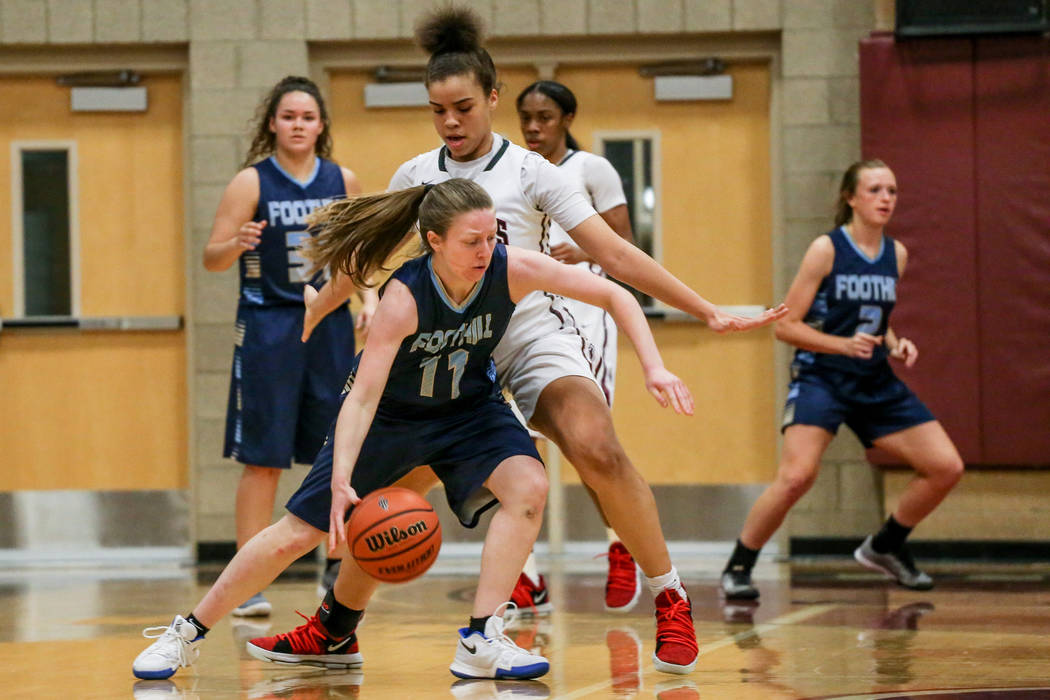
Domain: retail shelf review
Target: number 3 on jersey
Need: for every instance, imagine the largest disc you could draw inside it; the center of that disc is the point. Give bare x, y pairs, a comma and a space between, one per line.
457, 362
871, 317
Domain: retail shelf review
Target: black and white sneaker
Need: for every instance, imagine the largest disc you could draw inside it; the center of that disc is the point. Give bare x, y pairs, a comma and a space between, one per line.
898, 565
736, 584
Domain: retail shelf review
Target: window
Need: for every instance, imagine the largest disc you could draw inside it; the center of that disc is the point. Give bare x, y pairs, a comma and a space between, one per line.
43, 223
636, 157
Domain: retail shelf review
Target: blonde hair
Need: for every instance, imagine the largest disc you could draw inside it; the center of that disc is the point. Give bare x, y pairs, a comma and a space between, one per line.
357, 236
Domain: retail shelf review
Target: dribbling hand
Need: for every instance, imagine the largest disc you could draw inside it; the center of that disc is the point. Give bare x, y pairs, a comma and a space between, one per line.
343, 496
722, 322
668, 389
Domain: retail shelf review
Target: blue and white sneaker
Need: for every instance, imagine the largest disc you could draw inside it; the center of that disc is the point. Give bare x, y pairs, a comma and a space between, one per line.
256, 606
175, 648
494, 655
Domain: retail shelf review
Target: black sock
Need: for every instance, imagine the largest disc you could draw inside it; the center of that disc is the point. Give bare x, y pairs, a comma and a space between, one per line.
338, 619
201, 629
477, 624
891, 537
742, 558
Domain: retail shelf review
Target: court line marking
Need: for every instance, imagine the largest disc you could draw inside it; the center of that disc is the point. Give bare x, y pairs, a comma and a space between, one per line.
788, 619
946, 692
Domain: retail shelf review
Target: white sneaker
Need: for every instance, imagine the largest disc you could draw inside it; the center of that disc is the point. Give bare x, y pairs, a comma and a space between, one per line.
494, 655
485, 689
175, 648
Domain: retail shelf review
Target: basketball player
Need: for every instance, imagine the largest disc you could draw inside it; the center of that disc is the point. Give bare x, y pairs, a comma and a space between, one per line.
283, 393
541, 359
546, 110
423, 391
840, 304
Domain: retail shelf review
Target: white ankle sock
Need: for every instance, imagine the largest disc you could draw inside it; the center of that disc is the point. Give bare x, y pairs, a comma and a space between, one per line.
530, 569
668, 581
611, 534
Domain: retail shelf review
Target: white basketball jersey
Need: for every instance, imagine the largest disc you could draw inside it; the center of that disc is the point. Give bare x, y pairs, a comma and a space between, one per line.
528, 192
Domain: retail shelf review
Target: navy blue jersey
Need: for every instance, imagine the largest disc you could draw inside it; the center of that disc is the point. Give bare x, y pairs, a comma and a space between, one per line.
446, 365
857, 296
274, 273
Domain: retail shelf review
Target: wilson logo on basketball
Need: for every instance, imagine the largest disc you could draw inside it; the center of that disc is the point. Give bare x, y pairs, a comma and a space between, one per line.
381, 540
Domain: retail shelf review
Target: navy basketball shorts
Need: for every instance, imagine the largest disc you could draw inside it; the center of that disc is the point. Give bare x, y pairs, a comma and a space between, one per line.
285, 393
462, 448
872, 406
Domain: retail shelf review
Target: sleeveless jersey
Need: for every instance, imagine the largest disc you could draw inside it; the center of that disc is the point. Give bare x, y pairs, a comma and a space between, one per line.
274, 273
856, 296
446, 365
528, 191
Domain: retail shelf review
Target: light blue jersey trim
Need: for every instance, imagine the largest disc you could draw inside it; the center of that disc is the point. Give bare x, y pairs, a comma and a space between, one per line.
861, 253
305, 183
458, 308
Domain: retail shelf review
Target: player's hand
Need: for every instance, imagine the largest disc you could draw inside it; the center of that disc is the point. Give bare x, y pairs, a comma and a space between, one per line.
343, 496
722, 322
369, 303
669, 390
569, 254
310, 317
862, 345
905, 351
249, 235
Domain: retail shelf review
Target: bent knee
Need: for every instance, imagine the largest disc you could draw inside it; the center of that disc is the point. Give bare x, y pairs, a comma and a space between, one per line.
599, 459
797, 480
949, 470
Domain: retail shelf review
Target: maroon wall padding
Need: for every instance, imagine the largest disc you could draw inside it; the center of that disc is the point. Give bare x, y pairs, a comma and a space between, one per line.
917, 115
1012, 134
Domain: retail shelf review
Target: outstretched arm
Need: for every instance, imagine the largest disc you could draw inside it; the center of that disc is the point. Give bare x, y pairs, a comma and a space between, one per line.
529, 271
630, 264
395, 319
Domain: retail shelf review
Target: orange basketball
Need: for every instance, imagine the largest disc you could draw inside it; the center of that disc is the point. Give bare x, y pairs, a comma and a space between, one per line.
394, 534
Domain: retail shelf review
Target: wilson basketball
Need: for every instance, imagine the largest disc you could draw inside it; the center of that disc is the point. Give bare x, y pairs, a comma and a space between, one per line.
394, 534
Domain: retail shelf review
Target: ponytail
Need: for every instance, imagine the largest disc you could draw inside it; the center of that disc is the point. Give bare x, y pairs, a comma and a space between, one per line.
357, 236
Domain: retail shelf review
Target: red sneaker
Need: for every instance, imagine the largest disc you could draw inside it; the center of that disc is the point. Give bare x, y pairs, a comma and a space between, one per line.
623, 585
676, 648
531, 597
308, 644
625, 660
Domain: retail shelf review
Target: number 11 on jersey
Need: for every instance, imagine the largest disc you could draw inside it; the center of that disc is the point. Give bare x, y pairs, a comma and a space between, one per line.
457, 362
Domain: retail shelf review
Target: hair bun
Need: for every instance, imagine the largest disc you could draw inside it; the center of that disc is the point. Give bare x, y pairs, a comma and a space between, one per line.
450, 29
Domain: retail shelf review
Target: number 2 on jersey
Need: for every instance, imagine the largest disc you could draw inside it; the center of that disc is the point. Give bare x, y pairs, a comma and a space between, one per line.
871, 316
457, 362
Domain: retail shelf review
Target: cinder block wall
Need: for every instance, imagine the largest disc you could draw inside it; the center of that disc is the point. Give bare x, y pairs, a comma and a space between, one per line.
238, 48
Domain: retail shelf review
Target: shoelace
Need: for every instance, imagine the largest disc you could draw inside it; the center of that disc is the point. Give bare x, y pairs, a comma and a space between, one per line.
673, 624
309, 637
181, 646
622, 574
505, 643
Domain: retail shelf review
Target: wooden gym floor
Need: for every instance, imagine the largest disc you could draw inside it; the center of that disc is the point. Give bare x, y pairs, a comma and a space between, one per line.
828, 631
